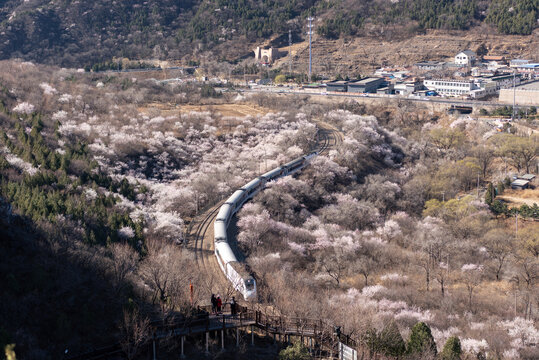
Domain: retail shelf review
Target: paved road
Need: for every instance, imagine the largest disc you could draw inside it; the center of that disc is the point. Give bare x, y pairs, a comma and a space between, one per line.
448, 101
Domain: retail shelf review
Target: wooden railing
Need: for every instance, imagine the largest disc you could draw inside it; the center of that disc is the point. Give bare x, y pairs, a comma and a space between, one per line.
323, 334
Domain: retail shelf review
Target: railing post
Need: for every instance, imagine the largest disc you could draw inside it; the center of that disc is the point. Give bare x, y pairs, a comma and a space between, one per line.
153, 346
182, 354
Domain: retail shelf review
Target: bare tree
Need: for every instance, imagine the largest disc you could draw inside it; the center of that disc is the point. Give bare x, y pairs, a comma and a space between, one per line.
334, 264
164, 272
135, 331
425, 261
471, 275
124, 263
498, 243
485, 155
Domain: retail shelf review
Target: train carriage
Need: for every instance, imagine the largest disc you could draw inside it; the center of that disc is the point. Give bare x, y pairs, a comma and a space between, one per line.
274, 174
252, 187
294, 165
234, 271
219, 231
237, 199
225, 213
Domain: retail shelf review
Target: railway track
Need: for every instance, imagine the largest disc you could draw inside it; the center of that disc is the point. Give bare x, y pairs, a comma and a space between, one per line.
201, 236
202, 230
331, 137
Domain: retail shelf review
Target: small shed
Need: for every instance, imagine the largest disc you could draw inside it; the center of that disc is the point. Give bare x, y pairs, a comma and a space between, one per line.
528, 177
520, 184
339, 86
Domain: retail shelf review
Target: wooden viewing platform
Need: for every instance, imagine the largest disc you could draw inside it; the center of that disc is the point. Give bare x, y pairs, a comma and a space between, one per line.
319, 336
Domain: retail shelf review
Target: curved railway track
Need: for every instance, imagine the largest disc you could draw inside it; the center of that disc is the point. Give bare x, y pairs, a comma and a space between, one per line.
201, 236
202, 229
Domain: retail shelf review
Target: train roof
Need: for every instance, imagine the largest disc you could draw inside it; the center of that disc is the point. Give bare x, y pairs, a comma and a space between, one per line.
234, 197
272, 173
251, 183
224, 212
219, 230
225, 252
240, 269
294, 162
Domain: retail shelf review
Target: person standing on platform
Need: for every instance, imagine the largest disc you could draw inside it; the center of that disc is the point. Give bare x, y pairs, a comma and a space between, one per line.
213, 304
233, 306
219, 304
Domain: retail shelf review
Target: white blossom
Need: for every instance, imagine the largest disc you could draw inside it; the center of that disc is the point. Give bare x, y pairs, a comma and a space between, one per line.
24, 108
47, 89
473, 346
126, 232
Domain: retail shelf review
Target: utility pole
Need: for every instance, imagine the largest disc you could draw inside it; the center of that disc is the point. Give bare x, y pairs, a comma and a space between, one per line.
478, 185
514, 93
289, 52
310, 33
516, 225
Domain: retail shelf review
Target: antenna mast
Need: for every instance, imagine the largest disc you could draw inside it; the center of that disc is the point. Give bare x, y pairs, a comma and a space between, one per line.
310, 33
290, 52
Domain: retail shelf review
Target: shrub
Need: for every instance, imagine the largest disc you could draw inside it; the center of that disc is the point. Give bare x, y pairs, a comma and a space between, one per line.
452, 349
490, 195
279, 79
295, 352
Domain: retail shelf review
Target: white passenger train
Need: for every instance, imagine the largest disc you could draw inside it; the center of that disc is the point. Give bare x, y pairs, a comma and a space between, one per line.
235, 271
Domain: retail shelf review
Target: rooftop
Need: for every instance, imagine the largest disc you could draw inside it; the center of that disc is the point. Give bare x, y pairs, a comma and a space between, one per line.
340, 82
527, 177
530, 86
365, 81
519, 182
429, 62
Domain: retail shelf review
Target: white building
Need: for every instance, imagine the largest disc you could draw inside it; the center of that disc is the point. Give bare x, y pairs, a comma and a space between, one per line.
450, 87
465, 58
518, 62
487, 88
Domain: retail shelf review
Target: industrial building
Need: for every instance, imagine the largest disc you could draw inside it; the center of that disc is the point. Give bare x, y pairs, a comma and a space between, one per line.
338, 86
367, 85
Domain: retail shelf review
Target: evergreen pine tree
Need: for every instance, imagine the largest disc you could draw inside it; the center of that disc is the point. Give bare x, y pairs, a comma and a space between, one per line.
452, 349
490, 195
500, 188
421, 340
390, 340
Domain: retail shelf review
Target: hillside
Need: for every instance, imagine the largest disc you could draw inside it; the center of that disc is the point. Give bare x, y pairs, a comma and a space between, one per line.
76, 33
359, 56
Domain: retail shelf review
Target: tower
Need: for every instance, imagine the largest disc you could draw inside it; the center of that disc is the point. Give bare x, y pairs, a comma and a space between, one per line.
310, 33
289, 52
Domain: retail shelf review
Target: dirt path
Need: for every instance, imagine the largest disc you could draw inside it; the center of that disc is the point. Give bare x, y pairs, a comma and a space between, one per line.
517, 201
238, 110
520, 197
